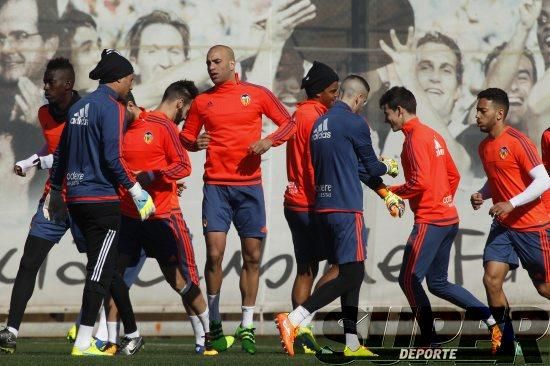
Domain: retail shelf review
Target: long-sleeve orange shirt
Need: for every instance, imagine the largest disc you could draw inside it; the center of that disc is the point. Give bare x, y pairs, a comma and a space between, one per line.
507, 160
300, 192
545, 147
431, 176
231, 114
151, 144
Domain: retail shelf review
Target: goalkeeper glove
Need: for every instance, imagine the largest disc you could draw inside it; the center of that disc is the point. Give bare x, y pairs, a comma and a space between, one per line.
394, 203
55, 208
143, 201
391, 165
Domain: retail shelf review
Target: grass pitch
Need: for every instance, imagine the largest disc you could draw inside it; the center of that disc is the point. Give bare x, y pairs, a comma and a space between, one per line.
180, 351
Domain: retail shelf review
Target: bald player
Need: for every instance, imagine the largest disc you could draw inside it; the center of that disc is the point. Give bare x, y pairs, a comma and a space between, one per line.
231, 114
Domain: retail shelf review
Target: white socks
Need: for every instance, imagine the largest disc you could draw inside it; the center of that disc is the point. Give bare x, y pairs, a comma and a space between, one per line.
248, 316
352, 341
204, 318
491, 321
298, 315
102, 333
14, 331
112, 331
307, 320
83, 337
198, 330
133, 335
214, 307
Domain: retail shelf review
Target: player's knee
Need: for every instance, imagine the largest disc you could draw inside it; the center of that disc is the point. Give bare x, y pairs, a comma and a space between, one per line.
401, 280
99, 287
408, 277
214, 261
29, 263
36, 250
544, 290
308, 270
251, 260
437, 286
492, 283
352, 274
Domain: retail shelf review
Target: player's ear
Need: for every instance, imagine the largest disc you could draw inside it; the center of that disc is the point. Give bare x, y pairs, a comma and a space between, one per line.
232, 65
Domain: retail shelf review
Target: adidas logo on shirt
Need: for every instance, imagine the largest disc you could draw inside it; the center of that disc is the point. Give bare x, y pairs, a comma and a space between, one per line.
81, 117
321, 132
439, 151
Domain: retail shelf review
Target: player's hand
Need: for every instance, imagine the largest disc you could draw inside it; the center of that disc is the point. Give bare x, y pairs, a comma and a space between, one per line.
145, 178
260, 147
202, 141
476, 200
143, 201
55, 208
180, 185
501, 208
23, 166
394, 204
391, 165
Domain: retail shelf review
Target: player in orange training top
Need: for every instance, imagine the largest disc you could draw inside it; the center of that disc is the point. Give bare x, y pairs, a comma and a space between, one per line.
231, 113
516, 178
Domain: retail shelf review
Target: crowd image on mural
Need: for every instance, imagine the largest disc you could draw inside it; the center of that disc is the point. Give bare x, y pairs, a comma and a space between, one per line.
290, 133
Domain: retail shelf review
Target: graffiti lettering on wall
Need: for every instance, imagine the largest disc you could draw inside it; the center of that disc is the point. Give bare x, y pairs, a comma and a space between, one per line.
73, 273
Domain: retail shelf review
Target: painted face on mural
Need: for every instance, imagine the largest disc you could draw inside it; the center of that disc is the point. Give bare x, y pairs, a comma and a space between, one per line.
158, 53
436, 71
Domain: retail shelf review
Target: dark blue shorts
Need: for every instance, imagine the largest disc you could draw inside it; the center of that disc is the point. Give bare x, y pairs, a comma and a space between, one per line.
532, 248
166, 240
54, 231
242, 205
344, 235
308, 247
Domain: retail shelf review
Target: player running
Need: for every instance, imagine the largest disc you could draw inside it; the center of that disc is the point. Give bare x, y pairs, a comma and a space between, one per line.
516, 179
431, 181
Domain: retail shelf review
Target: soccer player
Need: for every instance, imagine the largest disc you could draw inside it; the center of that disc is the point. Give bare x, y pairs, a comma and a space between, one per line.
231, 113
431, 181
545, 148
43, 234
321, 87
152, 147
516, 179
340, 142
89, 158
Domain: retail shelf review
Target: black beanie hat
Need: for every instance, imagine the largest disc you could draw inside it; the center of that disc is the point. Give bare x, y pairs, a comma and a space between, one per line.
318, 78
111, 67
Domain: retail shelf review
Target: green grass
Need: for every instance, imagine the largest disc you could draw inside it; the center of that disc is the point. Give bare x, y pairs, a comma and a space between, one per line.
180, 351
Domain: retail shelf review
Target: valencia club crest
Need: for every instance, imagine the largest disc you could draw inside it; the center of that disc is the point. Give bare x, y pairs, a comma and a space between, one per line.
148, 137
503, 152
245, 99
